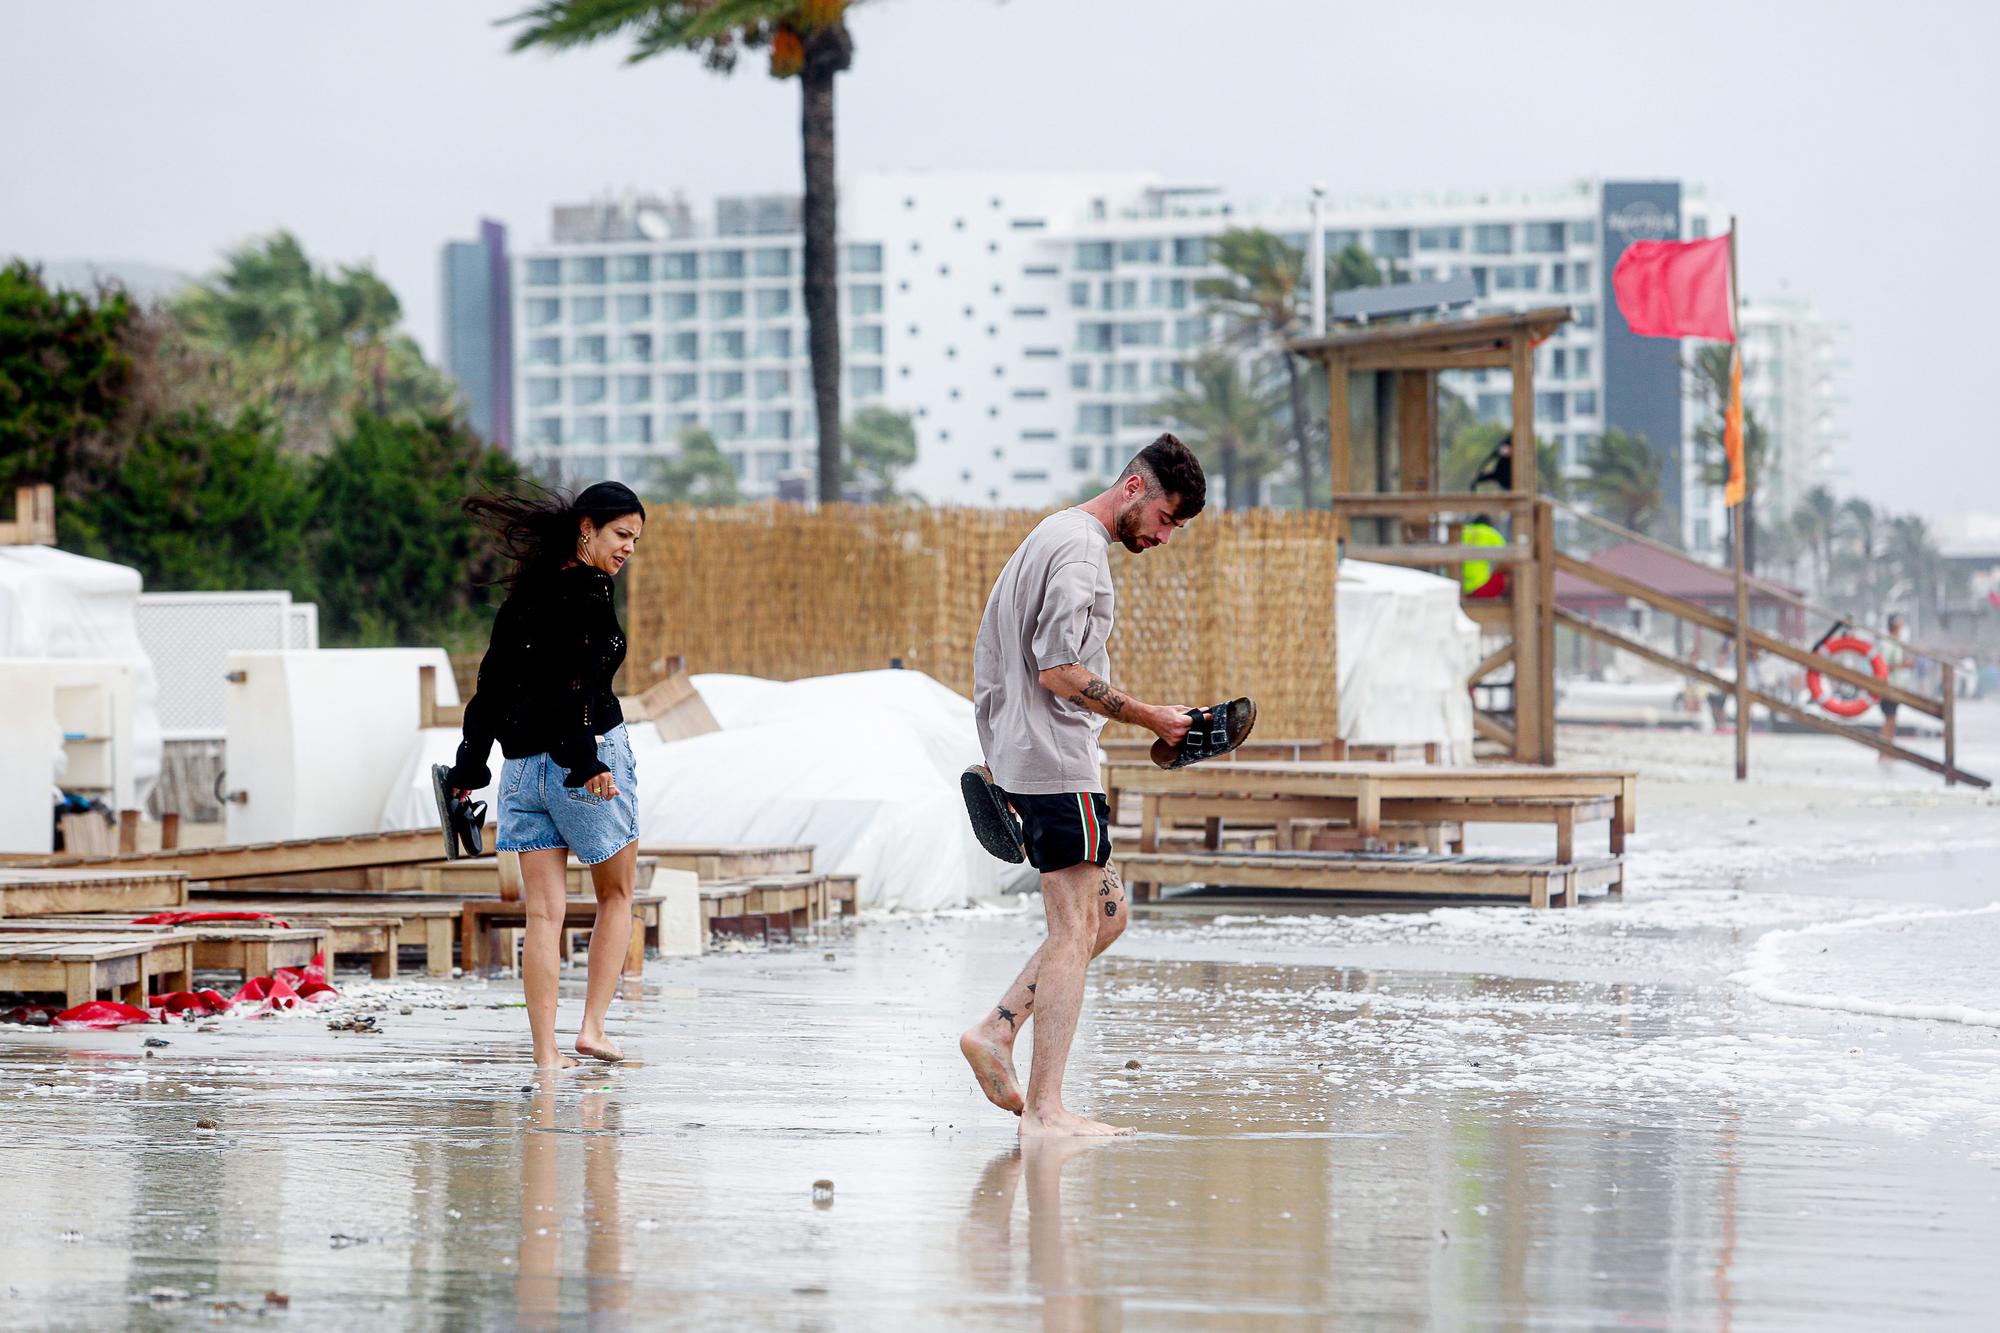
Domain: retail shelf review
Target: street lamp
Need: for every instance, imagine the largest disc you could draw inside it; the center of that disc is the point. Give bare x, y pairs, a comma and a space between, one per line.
1319, 259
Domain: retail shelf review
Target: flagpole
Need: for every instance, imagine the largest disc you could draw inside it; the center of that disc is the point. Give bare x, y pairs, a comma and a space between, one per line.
1737, 529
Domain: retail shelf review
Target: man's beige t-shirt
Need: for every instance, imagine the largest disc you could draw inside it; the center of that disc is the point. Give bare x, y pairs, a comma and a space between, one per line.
1051, 606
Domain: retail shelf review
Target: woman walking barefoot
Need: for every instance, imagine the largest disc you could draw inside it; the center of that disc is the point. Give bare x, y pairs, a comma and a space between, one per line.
545, 694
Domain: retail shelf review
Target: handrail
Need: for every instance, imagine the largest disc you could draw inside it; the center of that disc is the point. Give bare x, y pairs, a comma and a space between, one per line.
1776, 590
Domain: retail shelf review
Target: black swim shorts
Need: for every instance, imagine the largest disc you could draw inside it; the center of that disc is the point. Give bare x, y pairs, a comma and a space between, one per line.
1065, 829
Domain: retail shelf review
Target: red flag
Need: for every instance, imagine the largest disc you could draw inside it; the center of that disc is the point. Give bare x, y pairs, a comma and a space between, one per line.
1675, 289
1732, 431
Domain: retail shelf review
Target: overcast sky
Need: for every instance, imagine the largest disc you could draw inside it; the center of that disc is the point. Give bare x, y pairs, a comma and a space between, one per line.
1855, 141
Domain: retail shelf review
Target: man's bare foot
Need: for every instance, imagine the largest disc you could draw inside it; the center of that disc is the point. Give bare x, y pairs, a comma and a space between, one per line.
1060, 1123
993, 1065
562, 1062
600, 1048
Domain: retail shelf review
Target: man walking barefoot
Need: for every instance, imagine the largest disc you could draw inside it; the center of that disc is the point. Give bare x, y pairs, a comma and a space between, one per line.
1041, 697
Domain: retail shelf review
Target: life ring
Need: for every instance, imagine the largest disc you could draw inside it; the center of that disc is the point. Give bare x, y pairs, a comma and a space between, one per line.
1845, 700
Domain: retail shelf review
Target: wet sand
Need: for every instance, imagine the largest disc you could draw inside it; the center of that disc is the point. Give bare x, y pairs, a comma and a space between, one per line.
1379, 1118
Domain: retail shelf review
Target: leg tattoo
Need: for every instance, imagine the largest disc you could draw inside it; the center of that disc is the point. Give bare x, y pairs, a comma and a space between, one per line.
1008, 1015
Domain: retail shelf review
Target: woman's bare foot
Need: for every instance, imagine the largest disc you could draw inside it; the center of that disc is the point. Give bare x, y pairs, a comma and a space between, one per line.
993, 1065
599, 1048
561, 1063
1059, 1123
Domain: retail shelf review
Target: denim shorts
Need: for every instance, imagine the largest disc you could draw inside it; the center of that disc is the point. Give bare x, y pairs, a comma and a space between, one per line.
537, 812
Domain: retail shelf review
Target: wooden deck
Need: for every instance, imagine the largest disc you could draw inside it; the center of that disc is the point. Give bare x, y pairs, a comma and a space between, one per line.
489, 929
252, 948
422, 921
1537, 882
79, 964
479, 877
56, 892
266, 859
743, 860
787, 904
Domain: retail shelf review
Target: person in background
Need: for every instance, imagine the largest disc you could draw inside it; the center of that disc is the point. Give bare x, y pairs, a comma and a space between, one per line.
1897, 658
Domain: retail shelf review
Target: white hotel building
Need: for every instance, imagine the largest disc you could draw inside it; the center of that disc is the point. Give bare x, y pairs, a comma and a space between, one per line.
1028, 320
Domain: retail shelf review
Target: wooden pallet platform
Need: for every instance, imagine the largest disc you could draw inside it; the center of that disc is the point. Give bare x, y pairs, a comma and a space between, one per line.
787, 903
268, 859
488, 928
79, 965
423, 921
724, 860
479, 877
52, 892
253, 948
1533, 880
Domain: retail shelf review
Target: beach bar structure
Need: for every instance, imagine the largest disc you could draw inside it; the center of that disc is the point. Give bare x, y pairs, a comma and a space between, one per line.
1385, 455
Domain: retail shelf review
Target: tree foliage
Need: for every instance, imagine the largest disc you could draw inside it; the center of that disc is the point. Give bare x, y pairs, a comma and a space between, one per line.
881, 445
698, 474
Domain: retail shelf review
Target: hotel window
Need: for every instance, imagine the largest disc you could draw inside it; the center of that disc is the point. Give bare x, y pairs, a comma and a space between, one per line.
1583, 233
866, 340
542, 310
589, 270
677, 266
727, 425
865, 381
1542, 238
1586, 403
774, 342
1191, 251
1079, 457
1391, 242
592, 430
1079, 376
684, 347
544, 351
1551, 407
1440, 238
680, 386
1094, 419
725, 305
1111, 464
1094, 337
633, 268
773, 302
636, 428
726, 345
1586, 317
1093, 256
773, 384
635, 389
774, 425
544, 273
725, 263
1079, 295
636, 347
590, 350
1191, 332
586, 310
773, 264
1142, 333
678, 305
585, 390
1579, 359
544, 392
725, 384
864, 299
864, 259
1139, 252
1493, 238
545, 430
634, 307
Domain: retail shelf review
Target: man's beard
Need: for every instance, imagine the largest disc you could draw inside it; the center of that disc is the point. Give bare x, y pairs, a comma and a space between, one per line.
1127, 526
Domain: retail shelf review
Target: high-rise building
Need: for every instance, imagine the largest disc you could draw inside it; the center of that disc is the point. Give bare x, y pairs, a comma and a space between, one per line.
1791, 371
479, 330
1029, 321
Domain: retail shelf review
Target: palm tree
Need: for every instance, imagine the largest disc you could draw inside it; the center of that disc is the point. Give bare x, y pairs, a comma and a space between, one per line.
315, 347
1711, 376
1816, 521
880, 443
1861, 527
1258, 298
1226, 418
1916, 559
807, 39
698, 474
1622, 481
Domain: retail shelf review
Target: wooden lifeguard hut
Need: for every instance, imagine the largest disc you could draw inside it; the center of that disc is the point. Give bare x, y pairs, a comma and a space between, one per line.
1382, 395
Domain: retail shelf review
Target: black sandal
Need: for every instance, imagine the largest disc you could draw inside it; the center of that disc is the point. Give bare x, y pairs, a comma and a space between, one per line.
1215, 732
462, 818
998, 831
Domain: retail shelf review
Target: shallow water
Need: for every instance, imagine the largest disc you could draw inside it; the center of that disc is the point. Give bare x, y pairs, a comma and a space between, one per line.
1462, 1117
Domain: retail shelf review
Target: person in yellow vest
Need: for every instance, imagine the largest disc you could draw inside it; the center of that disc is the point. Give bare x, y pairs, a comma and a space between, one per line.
1479, 578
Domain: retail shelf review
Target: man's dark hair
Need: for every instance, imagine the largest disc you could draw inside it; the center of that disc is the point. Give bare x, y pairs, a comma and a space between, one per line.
1170, 468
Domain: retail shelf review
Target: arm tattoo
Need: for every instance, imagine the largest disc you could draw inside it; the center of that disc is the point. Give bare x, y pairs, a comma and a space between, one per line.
1109, 701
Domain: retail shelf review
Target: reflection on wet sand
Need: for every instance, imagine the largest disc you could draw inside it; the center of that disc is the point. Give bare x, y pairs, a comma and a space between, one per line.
606, 1284
1066, 1265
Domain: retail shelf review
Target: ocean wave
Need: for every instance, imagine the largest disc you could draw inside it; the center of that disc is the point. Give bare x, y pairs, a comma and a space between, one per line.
1882, 965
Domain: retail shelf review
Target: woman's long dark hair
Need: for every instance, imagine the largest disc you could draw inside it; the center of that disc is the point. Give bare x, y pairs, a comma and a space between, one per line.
537, 526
